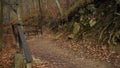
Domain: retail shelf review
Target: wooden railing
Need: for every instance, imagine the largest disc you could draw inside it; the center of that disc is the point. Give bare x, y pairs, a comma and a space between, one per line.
20, 38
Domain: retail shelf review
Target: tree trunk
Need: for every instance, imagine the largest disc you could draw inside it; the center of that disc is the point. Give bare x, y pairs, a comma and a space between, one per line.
42, 17
19, 12
1, 18
67, 3
1, 24
40, 9
59, 7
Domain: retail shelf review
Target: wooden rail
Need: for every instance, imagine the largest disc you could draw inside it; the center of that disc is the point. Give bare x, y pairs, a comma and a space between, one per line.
32, 30
20, 38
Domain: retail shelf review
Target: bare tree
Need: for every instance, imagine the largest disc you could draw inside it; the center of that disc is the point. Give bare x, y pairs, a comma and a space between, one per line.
59, 7
1, 15
40, 8
41, 13
68, 3
19, 12
1, 23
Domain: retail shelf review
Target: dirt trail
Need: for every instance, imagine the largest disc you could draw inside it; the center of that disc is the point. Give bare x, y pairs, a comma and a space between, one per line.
48, 50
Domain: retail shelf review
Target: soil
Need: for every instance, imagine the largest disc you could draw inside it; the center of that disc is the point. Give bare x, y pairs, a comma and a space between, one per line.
51, 54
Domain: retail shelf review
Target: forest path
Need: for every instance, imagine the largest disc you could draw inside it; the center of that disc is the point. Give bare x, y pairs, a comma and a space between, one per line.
51, 55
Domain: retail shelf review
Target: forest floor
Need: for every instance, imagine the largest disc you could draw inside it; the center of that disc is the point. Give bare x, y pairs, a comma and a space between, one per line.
62, 53
49, 53
8, 52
